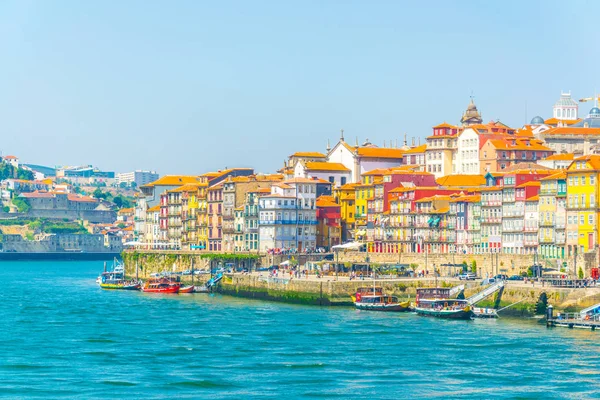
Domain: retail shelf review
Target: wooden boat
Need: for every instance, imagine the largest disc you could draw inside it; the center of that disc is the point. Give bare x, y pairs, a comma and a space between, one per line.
201, 289
435, 302
187, 289
381, 303
161, 286
116, 281
366, 291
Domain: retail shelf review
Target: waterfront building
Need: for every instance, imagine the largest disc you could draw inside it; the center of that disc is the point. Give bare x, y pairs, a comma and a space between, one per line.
138, 177
582, 204
71, 206
441, 147
345, 196
579, 139
289, 166
329, 229
431, 224
215, 217
238, 222
466, 210
234, 191
553, 215
250, 218
287, 216
491, 215
174, 218
152, 238
189, 214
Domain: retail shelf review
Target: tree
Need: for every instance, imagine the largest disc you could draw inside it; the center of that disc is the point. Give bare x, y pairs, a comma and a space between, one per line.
6, 209
580, 273
474, 267
133, 185
99, 194
21, 204
123, 185
542, 304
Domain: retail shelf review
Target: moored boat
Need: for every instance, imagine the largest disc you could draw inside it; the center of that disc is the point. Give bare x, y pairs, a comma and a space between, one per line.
435, 302
366, 291
161, 286
381, 303
187, 289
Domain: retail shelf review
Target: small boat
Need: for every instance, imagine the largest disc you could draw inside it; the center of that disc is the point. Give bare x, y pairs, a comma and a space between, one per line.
187, 289
161, 286
435, 302
201, 289
381, 303
479, 312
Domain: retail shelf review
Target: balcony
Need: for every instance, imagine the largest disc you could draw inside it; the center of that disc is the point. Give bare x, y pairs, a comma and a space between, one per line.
530, 229
491, 220
531, 242
546, 240
547, 223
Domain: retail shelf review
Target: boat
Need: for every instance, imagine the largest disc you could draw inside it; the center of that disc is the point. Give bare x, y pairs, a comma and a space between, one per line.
381, 303
115, 279
187, 289
161, 286
201, 289
366, 291
480, 312
436, 302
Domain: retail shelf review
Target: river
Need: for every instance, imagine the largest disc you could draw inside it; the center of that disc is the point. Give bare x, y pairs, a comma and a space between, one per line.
63, 337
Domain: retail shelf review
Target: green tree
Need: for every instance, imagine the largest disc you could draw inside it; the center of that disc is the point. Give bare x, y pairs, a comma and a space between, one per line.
474, 267
24, 174
99, 194
21, 204
542, 304
123, 185
580, 273
133, 185
6, 209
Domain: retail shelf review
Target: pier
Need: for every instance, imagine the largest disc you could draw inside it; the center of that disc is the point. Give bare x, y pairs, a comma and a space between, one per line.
582, 319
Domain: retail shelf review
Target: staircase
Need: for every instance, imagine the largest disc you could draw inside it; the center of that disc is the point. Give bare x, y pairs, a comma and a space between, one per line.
487, 292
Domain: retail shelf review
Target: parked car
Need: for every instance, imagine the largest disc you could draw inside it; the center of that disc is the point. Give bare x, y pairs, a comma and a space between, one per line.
488, 281
501, 277
469, 276
515, 278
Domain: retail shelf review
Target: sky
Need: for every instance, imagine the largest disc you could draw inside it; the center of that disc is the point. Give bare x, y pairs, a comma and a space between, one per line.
187, 87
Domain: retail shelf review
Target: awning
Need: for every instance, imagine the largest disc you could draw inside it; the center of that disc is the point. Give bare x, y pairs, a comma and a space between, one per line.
361, 233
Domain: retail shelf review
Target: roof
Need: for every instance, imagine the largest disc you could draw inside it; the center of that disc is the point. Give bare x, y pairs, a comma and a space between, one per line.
190, 187
126, 211
530, 184
153, 209
263, 190
37, 195
418, 149
467, 199
593, 160
305, 180
326, 166
378, 171
445, 125
314, 154
348, 186
173, 180
282, 185
324, 202
520, 144
491, 188
533, 198
560, 157
555, 121
461, 180
82, 199
378, 152
560, 175
569, 130
434, 197
10, 157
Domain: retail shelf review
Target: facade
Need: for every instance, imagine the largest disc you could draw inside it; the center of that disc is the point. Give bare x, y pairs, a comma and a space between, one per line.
335, 173
67, 206
329, 228
345, 196
553, 215
498, 154
287, 216
215, 217
138, 177
582, 204
557, 161
565, 108
441, 147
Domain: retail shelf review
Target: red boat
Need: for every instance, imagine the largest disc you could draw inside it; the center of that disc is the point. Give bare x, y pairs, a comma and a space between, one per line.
161, 287
187, 289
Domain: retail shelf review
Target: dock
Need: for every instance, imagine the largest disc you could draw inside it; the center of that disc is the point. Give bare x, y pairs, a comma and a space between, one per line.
580, 320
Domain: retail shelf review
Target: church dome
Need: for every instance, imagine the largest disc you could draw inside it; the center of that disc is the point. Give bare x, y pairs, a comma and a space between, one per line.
595, 112
537, 120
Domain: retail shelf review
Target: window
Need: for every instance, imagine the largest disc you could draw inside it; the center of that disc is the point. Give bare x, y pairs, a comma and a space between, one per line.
592, 180
343, 180
583, 180
583, 200
582, 219
592, 200
591, 219
331, 179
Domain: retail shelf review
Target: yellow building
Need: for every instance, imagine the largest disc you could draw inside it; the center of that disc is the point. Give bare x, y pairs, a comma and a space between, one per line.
582, 204
345, 196
553, 215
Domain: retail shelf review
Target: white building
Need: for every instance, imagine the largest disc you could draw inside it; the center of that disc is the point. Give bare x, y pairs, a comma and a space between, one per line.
565, 108
288, 217
336, 173
466, 158
12, 160
557, 161
361, 159
139, 177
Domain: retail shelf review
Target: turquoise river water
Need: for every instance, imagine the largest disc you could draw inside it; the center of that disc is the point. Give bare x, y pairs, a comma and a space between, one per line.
63, 337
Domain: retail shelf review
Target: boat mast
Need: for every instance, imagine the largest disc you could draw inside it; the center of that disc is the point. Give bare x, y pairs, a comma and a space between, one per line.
136, 271
104, 266
192, 261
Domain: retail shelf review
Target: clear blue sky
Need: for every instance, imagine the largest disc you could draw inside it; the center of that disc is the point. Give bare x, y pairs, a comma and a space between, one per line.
192, 86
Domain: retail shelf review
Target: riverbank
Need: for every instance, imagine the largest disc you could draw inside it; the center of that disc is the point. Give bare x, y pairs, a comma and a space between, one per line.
524, 298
